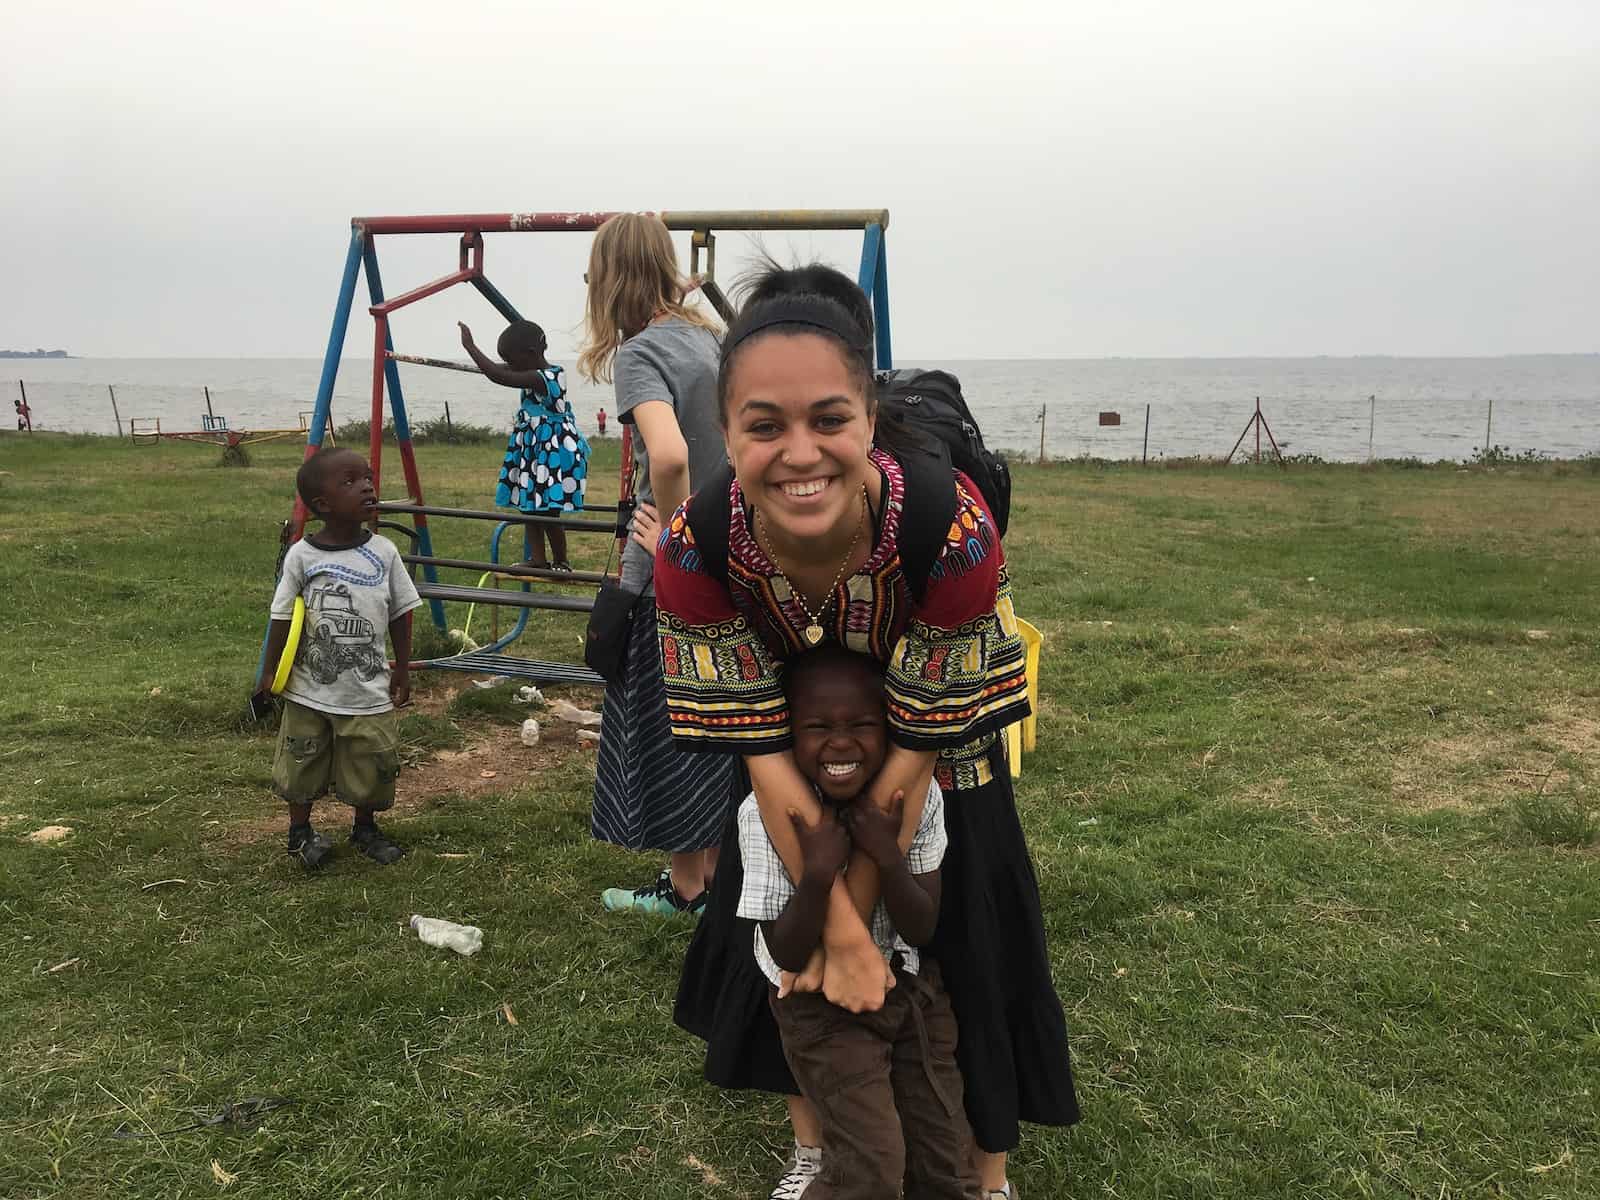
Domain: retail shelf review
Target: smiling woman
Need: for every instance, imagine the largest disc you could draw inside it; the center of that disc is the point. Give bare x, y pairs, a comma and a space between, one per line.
802, 542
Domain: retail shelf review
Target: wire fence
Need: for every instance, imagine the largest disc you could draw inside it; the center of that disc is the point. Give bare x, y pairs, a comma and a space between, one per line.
1303, 427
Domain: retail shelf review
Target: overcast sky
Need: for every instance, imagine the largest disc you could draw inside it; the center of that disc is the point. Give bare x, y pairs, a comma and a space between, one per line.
1065, 179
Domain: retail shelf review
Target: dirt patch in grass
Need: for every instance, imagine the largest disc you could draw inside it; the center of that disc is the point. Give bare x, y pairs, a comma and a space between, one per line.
1468, 770
495, 762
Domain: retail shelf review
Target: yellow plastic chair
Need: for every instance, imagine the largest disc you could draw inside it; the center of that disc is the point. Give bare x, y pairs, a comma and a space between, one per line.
1024, 734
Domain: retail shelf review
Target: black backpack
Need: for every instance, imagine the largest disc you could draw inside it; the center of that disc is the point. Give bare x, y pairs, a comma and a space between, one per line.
924, 421
919, 403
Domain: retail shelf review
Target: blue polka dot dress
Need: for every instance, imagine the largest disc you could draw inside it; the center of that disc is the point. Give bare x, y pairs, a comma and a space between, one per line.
547, 459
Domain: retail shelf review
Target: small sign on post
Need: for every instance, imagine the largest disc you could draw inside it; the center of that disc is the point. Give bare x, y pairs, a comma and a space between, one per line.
1111, 418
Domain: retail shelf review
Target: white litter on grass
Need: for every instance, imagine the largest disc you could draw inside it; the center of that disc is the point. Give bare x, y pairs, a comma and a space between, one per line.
530, 732
567, 711
530, 695
589, 735
1411, 632
1538, 635
1090, 821
50, 833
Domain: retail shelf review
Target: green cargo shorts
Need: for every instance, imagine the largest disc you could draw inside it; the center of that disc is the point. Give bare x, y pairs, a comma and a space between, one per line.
358, 757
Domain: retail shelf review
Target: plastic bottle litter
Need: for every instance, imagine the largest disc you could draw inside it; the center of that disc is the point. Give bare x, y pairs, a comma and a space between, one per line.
530, 695
589, 735
530, 732
447, 935
568, 711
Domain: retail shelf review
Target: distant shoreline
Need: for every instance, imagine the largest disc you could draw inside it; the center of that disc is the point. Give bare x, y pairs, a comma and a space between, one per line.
34, 354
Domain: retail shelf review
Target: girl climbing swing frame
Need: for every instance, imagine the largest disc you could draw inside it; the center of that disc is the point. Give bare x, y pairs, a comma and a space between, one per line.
362, 258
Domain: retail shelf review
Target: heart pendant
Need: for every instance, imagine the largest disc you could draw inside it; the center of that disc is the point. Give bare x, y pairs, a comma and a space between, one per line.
813, 633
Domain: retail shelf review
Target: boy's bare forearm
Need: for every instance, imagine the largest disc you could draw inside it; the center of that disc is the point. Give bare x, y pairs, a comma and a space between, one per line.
798, 929
912, 902
277, 637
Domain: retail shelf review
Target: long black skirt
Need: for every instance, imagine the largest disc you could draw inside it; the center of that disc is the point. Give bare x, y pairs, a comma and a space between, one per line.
1015, 1064
648, 793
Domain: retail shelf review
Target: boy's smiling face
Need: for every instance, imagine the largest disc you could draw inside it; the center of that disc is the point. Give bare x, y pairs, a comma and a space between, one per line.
840, 730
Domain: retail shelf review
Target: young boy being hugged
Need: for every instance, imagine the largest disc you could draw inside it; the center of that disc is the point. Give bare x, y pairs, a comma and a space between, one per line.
885, 1084
339, 727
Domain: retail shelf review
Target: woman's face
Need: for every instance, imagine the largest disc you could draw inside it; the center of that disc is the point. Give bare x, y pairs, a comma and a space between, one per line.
798, 433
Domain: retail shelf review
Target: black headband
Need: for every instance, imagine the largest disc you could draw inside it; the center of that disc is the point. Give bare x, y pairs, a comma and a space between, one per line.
816, 312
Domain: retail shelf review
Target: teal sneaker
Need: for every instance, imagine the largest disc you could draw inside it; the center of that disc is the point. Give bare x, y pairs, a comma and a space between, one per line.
659, 899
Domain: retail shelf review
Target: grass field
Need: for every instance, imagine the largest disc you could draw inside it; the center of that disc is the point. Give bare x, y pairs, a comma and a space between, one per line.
1312, 809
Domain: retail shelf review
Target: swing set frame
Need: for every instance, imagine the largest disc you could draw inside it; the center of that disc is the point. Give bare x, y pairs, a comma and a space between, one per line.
362, 258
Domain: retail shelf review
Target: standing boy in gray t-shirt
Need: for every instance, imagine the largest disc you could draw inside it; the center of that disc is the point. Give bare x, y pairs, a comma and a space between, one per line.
339, 729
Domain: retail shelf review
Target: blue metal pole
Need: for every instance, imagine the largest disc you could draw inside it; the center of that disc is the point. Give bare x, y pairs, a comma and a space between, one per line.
330, 373
402, 428
880, 304
493, 295
341, 323
871, 239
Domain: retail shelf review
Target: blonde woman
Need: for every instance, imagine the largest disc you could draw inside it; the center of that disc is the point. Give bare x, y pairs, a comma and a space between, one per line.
662, 356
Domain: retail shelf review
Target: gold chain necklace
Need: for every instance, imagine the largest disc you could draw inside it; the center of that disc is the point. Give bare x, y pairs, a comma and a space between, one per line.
814, 629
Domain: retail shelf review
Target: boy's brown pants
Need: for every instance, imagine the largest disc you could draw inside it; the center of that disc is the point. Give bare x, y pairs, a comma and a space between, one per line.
887, 1089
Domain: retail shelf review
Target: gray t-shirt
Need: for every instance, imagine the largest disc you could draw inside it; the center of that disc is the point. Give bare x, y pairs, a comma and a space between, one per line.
674, 361
351, 596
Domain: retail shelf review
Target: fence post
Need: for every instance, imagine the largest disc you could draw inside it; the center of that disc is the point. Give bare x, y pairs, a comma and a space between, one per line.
1043, 408
1372, 421
1144, 456
1488, 426
114, 411
449, 429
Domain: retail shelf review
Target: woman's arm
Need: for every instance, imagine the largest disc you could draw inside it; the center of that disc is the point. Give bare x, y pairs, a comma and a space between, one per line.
657, 423
855, 976
907, 772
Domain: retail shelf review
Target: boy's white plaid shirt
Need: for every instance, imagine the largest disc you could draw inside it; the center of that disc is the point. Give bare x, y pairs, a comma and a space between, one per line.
768, 889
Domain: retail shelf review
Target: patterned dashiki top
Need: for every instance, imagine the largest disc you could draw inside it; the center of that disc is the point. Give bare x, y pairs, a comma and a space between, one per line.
954, 662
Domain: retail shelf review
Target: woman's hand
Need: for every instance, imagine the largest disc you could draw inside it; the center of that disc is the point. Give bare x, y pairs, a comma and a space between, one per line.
646, 526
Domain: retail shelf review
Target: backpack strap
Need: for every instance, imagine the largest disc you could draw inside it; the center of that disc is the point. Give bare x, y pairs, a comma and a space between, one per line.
709, 514
928, 509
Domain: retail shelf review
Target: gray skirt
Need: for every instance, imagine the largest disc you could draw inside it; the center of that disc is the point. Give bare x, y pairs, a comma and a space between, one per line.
648, 794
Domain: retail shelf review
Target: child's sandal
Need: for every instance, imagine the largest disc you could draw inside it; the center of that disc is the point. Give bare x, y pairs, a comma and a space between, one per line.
309, 846
370, 841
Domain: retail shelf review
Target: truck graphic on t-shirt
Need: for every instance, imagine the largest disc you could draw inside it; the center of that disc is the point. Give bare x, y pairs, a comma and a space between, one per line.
337, 638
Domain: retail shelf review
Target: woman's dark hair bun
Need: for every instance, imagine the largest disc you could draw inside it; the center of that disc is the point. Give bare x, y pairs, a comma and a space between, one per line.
774, 282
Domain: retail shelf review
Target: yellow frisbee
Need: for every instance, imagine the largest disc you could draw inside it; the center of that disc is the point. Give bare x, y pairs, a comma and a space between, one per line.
297, 622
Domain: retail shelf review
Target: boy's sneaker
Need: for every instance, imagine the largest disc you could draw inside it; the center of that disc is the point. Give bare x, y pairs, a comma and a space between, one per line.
309, 846
659, 898
370, 841
804, 1165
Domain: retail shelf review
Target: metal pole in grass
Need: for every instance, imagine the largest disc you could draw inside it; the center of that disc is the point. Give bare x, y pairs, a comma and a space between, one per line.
114, 411
24, 413
1144, 457
207, 391
1488, 425
1372, 421
449, 429
1043, 408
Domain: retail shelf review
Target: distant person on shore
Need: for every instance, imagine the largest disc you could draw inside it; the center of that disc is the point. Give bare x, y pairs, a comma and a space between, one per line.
601, 418
338, 729
547, 459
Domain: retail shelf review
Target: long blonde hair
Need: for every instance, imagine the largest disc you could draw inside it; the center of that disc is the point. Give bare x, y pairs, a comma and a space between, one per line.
633, 276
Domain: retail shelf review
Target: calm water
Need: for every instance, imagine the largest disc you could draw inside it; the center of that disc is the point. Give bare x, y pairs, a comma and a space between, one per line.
1430, 408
